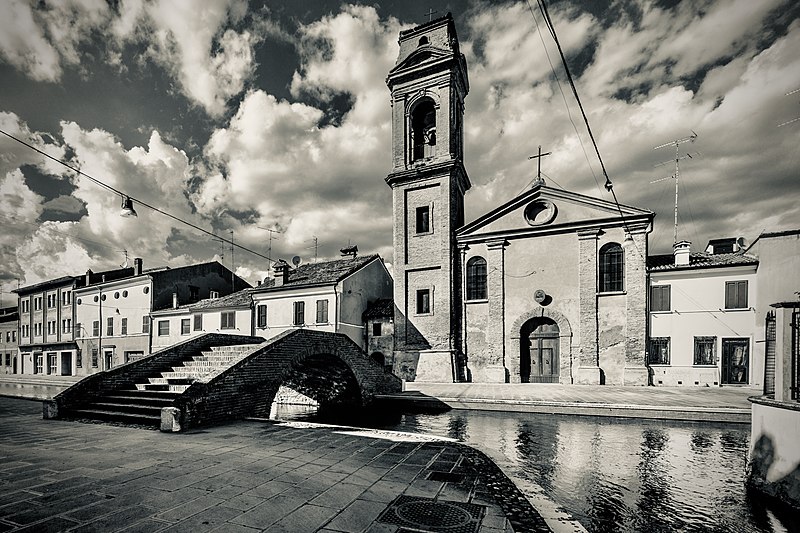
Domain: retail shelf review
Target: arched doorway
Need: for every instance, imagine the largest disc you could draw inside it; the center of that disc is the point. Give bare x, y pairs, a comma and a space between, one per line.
539, 339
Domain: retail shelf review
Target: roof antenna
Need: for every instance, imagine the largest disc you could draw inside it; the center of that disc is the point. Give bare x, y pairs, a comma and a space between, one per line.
126, 258
676, 143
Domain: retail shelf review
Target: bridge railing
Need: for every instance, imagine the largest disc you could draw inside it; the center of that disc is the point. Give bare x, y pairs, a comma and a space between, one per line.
126, 376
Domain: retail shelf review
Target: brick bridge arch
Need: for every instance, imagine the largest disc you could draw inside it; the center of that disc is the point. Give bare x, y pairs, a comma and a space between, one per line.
328, 367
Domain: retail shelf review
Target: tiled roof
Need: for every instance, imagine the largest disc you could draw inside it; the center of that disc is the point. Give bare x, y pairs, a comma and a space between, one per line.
45, 284
700, 260
237, 299
325, 273
381, 308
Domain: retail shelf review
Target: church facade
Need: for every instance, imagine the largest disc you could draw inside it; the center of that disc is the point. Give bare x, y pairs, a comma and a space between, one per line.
549, 287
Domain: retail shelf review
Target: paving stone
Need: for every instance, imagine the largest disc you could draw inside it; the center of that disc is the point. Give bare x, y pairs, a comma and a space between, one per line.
53, 525
306, 518
207, 520
339, 496
242, 502
189, 508
148, 525
269, 512
357, 516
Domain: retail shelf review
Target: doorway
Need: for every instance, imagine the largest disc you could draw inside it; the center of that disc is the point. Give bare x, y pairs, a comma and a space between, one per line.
735, 361
66, 363
14, 365
108, 359
539, 357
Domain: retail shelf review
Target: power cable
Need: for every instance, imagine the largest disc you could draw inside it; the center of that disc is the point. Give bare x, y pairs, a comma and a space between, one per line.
110, 188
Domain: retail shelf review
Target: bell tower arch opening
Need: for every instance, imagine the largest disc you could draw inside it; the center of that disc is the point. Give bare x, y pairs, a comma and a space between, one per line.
423, 130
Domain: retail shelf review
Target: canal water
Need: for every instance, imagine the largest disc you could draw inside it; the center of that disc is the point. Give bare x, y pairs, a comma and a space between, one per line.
612, 474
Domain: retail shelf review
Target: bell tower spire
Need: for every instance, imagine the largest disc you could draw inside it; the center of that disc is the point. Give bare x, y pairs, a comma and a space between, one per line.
428, 86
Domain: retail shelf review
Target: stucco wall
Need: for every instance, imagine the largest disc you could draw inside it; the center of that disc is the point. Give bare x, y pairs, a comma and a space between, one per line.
212, 323
280, 310
366, 285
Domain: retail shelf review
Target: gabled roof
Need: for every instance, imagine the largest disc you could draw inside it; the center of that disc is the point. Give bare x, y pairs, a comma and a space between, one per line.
381, 308
324, 273
608, 212
698, 260
237, 299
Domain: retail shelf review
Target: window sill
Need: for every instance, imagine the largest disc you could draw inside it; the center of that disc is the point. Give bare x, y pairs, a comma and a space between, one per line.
735, 309
482, 301
704, 366
658, 364
612, 293
668, 312
422, 234
423, 314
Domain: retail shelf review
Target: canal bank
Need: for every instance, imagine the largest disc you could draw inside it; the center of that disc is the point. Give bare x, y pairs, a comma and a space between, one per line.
699, 404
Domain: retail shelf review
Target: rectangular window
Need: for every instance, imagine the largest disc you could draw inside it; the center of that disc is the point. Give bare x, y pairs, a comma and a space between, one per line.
186, 326
228, 320
322, 311
198, 322
261, 311
37, 303
736, 295
78, 327
299, 313
52, 360
94, 357
660, 298
423, 301
110, 326
38, 363
13, 336
705, 350
66, 297
376, 329
213, 294
659, 351
123, 326
145, 324
79, 359
163, 328
96, 328
423, 219
8, 359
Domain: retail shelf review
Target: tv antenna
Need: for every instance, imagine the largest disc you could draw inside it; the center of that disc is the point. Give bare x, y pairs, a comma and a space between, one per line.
315, 246
271, 232
678, 158
794, 119
126, 258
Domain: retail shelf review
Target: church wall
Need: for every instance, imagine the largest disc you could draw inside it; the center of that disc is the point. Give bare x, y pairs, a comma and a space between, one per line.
611, 319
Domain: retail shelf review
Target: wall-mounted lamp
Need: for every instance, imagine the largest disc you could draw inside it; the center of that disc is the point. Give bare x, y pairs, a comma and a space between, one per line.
628, 242
127, 209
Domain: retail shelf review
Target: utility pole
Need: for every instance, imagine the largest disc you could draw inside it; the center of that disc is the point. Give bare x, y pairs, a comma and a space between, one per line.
233, 266
676, 143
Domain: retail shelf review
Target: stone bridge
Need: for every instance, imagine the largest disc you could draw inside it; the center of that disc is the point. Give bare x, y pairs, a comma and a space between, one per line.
240, 378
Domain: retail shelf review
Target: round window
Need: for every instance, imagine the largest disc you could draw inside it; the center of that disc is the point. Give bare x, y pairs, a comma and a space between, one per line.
96, 298
78, 301
103, 297
116, 295
540, 212
124, 294
146, 290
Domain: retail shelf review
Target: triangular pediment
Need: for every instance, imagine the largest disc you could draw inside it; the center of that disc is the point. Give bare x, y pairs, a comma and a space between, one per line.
544, 209
422, 55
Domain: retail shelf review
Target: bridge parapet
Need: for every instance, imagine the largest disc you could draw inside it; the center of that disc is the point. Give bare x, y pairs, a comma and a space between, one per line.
328, 367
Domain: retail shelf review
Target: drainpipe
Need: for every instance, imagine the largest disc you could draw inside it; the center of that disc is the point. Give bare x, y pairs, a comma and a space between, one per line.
101, 355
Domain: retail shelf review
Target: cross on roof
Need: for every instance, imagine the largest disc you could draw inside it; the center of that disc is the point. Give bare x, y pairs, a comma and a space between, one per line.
430, 14
538, 157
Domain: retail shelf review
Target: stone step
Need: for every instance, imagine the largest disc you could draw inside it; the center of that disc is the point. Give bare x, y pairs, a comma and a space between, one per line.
183, 375
142, 393
162, 387
240, 348
150, 410
115, 416
130, 397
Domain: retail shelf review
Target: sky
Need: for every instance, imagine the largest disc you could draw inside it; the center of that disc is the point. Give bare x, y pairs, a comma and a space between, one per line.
254, 116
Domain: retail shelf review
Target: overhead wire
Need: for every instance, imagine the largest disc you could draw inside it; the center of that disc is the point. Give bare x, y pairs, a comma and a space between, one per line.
110, 188
563, 96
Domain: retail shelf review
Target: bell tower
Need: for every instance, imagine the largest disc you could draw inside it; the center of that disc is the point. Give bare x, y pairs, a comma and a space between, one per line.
428, 85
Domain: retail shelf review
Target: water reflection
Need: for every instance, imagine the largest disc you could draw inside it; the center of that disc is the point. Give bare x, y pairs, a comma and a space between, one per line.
616, 474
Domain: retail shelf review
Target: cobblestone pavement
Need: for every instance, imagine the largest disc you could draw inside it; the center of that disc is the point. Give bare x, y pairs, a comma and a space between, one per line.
243, 477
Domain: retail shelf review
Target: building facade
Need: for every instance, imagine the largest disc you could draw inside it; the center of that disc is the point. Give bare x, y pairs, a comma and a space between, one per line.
702, 318
231, 314
538, 290
327, 296
113, 322
9, 324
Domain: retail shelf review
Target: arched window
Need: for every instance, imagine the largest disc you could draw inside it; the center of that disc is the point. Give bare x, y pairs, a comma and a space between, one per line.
612, 268
423, 130
476, 278
423, 41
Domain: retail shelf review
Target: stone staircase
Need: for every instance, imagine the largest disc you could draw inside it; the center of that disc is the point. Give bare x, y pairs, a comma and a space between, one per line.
142, 405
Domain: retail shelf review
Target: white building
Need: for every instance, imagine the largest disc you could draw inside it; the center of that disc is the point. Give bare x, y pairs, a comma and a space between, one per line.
231, 314
329, 296
702, 322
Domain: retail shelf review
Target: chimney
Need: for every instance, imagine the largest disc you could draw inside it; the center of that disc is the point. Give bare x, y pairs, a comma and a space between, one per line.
88, 276
137, 266
681, 250
281, 269
174, 300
